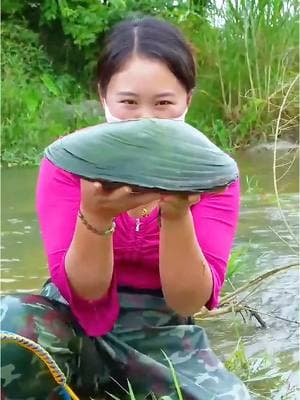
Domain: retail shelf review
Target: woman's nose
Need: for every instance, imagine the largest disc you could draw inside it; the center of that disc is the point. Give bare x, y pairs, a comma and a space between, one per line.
145, 113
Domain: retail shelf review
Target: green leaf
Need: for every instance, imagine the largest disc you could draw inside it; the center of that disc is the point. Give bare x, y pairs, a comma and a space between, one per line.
50, 84
174, 376
132, 396
32, 100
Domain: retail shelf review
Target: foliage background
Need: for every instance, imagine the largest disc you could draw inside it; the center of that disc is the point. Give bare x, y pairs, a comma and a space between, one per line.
247, 52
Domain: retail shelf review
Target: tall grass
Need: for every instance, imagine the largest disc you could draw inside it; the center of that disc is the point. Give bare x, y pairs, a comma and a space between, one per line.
247, 59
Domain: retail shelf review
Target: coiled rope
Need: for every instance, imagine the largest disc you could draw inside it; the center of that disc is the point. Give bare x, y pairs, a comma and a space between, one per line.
43, 355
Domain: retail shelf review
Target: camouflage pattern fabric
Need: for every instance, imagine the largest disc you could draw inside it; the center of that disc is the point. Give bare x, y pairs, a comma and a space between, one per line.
96, 366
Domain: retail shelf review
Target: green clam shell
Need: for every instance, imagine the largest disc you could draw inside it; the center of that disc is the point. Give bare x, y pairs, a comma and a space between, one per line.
148, 153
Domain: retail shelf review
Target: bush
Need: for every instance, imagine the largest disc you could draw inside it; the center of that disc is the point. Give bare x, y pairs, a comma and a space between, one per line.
35, 104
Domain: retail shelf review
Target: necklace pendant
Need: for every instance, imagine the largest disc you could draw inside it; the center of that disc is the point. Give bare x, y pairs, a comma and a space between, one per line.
137, 224
144, 212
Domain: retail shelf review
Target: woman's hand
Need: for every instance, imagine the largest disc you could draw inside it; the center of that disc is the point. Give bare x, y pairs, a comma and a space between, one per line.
174, 206
96, 201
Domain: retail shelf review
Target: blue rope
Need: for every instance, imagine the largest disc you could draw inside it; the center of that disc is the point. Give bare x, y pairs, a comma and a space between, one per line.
64, 393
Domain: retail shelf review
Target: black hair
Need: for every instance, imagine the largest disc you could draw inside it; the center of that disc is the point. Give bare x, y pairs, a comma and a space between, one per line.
152, 38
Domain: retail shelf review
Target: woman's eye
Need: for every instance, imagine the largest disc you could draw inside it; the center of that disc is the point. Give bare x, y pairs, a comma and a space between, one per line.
164, 103
128, 101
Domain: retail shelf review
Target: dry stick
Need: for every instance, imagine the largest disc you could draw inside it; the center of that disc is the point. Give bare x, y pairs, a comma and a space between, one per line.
206, 314
258, 79
222, 88
288, 123
259, 278
274, 159
271, 315
246, 23
252, 313
250, 293
255, 314
272, 95
283, 240
291, 163
288, 151
231, 296
254, 289
238, 307
287, 163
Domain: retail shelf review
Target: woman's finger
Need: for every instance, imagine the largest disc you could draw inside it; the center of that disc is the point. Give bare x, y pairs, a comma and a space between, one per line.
120, 193
169, 197
142, 199
97, 186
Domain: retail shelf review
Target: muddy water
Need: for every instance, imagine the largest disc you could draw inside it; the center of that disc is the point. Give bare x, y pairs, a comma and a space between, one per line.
263, 241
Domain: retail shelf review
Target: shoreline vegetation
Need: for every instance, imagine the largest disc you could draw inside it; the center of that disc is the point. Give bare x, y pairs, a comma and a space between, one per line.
247, 56
246, 98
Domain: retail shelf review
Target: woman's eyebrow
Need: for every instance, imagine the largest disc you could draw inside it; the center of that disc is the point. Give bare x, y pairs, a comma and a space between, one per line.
127, 94
165, 94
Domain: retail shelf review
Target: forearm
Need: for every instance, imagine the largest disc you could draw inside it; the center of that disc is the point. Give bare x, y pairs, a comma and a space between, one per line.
89, 259
185, 275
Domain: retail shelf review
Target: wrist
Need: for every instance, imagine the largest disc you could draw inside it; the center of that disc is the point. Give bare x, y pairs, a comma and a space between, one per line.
97, 221
175, 216
95, 229
97, 217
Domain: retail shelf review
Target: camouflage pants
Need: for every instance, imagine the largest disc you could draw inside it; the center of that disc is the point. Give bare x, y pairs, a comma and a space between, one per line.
96, 366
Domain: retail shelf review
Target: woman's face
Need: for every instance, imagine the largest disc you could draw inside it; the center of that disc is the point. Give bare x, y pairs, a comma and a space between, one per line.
145, 88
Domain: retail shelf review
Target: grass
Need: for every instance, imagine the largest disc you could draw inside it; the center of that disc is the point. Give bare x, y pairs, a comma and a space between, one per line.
253, 371
258, 375
246, 64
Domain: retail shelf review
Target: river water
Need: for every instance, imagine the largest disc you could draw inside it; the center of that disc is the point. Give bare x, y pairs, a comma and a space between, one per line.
263, 241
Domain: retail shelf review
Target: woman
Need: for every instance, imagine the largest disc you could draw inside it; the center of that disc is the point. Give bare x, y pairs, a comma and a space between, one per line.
123, 286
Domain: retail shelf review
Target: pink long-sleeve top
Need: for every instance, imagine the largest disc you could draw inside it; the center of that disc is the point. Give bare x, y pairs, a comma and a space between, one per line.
136, 253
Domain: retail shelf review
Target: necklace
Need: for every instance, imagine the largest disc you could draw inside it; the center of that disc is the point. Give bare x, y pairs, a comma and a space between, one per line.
138, 221
145, 213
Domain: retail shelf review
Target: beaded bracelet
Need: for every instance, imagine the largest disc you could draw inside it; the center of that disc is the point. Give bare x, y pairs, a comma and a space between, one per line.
91, 228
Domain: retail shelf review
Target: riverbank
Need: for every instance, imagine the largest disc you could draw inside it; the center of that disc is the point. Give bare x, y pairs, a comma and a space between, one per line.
247, 57
89, 112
